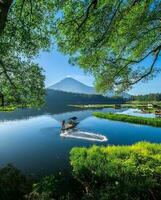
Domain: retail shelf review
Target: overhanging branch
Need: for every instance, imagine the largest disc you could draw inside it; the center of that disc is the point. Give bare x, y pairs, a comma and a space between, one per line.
94, 4
4, 10
150, 70
7, 76
157, 49
130, 83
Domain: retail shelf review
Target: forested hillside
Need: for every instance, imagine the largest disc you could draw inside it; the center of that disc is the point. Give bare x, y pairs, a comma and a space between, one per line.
148, 97
66, 98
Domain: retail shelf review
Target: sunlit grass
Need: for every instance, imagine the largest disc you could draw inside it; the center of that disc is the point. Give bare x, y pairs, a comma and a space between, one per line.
128, 118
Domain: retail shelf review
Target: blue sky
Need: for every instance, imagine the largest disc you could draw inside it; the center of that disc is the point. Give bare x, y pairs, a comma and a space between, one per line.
56, 67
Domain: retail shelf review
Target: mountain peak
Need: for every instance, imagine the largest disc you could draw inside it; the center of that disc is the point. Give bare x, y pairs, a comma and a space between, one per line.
70, 84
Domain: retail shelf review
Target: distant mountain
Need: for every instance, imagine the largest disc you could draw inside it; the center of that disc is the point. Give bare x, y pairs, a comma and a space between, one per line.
71, 85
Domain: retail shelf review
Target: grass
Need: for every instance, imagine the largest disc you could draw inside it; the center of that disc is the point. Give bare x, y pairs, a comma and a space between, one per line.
127, 118
93, 106
119, 172
7, 108
126, 105
12, 107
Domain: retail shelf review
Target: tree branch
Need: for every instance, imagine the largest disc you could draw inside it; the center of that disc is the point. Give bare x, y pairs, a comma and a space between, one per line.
156, 51
22, 5
110, 24
94, 4
7, 76
4, 10
135, 61
149, 72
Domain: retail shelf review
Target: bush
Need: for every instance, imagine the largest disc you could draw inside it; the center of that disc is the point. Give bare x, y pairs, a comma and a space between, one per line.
13, 184
56, 187
119, 173
128, 118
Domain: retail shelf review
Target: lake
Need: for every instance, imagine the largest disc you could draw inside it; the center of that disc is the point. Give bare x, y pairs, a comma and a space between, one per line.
30, 139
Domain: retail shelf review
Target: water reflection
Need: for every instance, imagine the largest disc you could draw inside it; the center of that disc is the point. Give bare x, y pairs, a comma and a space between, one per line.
136, 112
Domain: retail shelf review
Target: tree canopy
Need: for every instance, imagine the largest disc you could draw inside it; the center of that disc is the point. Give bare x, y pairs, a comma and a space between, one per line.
25, 29
111, 39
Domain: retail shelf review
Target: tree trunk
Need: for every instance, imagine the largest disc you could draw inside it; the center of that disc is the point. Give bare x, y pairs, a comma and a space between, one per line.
2, 100
4, 10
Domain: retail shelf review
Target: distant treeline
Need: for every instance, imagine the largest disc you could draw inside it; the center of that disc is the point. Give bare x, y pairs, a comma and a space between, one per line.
148, 97
61, 98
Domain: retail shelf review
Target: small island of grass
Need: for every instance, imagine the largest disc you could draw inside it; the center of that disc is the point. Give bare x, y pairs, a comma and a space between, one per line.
127, 118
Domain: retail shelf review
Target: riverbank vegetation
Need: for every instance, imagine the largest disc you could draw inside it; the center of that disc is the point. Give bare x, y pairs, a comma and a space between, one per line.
98, 173
122, 172
124, 105
128, 118
11, 107
143, 105
7, 108
152, 97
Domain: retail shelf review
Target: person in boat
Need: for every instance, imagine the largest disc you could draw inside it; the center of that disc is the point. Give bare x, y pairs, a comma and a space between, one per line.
72, 120
63, 124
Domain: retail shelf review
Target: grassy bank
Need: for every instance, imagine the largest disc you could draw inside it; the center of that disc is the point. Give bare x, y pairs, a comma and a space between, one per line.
119, 172
93, 106
10, 108
7, 108
126, 105
127, 118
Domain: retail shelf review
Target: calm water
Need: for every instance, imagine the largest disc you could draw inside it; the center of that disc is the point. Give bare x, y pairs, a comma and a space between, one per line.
31, 140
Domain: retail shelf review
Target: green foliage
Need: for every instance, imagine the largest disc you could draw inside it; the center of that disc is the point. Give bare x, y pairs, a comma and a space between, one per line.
148, 97
119, 172
7, 108
128, 118
56, 187
45, 189
13, 184
111, 39
27, 31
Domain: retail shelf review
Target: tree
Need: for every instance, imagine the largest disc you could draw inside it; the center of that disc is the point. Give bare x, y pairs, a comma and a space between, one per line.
111, 39
25, 29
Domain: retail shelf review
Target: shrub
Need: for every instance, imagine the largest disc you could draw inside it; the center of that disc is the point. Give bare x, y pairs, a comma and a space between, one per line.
119, 172
13, 184
56, 187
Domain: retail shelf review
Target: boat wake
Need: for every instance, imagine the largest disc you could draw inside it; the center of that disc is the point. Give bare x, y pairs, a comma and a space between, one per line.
84, 135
